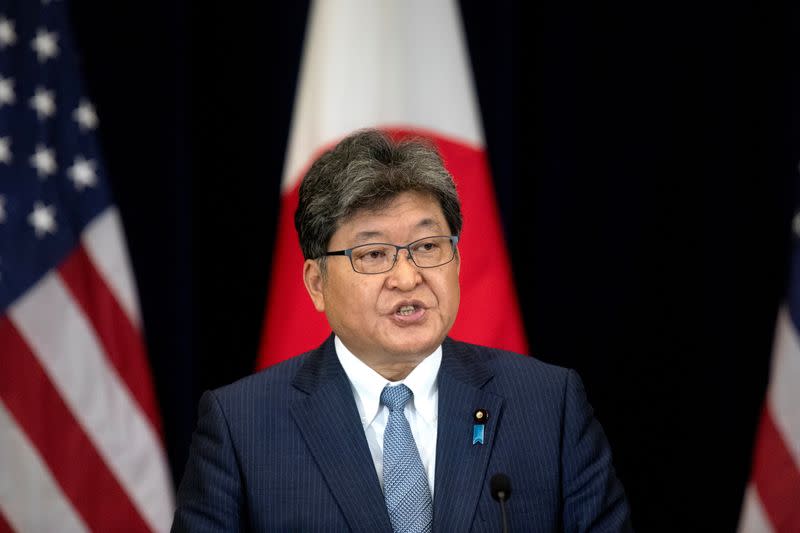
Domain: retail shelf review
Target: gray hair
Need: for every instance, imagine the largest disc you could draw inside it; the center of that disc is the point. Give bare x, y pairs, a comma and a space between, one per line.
366, 171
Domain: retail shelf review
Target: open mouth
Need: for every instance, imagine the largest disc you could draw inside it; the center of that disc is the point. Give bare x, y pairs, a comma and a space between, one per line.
410, 310
406, 310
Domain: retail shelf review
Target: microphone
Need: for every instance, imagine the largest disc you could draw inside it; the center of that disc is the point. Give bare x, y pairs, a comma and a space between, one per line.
500, 486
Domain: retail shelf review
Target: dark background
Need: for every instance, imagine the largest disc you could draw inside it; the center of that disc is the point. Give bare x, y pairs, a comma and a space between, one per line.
644, 158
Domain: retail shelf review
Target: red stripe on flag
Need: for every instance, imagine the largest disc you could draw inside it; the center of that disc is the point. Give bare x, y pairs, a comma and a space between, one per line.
776, 477
40, 411
5, 527
121, 341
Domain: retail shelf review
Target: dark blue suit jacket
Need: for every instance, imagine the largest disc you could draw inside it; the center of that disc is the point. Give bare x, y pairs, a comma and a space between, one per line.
284, 450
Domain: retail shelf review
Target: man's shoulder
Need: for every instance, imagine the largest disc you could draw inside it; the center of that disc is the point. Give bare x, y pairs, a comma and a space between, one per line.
506, 361
516, 371
275, 380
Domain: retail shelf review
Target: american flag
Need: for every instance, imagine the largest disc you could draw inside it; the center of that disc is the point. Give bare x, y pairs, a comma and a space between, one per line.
81, 446
772, 498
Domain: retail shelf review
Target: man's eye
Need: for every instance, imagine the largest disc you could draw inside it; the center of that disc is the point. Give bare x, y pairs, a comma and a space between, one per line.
425, 247
372, 255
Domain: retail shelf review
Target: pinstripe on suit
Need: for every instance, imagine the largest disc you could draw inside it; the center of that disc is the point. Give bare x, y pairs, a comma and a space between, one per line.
284, 450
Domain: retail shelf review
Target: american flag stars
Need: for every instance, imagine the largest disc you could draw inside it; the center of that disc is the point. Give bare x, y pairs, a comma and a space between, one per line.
43, 155
85, 116
43, 102
44, 161
7, 96
43, 219
796, 225
5, 150
82, 173
8, 36
45, 45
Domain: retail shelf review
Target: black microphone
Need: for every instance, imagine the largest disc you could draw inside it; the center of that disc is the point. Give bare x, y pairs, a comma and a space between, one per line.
500, 486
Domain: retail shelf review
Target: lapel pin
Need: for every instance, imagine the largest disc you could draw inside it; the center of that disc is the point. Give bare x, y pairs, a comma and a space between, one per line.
478, 428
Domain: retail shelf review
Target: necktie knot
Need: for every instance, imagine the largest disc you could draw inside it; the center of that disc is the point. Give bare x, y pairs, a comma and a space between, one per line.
396, 397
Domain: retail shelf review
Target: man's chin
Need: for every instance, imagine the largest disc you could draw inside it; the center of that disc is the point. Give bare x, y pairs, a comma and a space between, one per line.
414, 347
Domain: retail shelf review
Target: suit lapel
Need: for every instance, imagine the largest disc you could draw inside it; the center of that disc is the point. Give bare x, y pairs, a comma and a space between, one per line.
329, 422
461, 465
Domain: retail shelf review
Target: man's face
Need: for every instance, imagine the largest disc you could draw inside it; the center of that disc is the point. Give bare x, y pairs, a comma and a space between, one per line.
365, 310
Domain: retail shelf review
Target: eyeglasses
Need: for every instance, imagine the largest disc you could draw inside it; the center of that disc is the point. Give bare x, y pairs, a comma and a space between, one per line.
379, 257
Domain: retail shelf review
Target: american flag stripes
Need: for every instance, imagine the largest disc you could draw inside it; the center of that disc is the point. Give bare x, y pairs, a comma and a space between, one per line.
80, 437
772, 498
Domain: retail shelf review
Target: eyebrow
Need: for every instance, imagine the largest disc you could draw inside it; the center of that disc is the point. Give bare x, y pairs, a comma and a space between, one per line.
367, 236
370, 236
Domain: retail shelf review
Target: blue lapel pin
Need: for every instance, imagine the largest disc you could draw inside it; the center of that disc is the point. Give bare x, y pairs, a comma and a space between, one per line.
478, 428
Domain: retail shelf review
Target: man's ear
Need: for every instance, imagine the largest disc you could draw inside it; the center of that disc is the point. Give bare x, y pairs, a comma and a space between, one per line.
313, 280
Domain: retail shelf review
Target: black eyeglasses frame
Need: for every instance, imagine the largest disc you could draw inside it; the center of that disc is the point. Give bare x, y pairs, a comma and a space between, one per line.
349, 253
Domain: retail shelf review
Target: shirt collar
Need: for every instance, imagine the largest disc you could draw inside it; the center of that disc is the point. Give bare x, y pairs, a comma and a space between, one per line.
368, 384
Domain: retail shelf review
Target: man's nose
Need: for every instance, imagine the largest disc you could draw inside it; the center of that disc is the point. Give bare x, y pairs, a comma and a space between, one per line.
405, 272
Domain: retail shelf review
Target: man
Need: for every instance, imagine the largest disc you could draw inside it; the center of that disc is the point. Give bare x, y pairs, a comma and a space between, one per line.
390, 425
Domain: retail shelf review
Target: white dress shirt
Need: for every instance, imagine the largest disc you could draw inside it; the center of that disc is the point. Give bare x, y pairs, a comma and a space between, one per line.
422, 411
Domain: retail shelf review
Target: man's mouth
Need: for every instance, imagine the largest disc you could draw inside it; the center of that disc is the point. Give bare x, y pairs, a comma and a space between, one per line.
406, 310
409, 312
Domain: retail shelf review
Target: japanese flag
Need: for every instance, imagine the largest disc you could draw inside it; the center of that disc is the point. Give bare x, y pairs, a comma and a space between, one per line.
402, 67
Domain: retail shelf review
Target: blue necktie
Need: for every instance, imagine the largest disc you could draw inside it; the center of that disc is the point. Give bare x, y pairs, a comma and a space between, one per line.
405, 484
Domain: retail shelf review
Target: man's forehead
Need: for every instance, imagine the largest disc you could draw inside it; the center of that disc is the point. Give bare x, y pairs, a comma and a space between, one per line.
363, 235
407, 213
